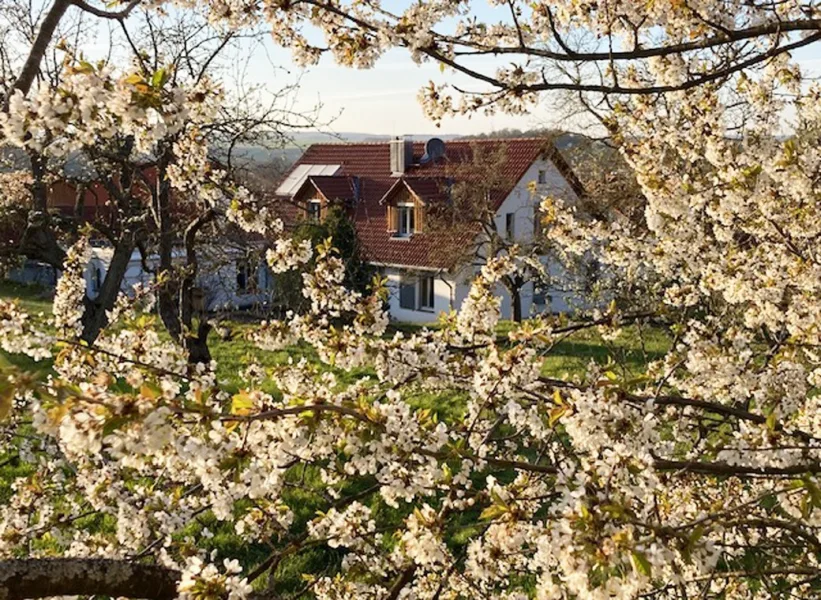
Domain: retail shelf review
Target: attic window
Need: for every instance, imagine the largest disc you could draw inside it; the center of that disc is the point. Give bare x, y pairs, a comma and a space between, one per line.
542, 176
314, 211
406, 221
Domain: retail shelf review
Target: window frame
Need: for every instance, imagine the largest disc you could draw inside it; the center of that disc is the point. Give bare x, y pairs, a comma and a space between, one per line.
314, 210
510, 225
96, 279
404, 283
429, 282
409, 210
248, 274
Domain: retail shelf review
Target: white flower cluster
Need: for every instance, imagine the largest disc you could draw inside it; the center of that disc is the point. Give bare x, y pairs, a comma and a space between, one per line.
70, 295
202, 581
18, 335
288, 254
94, 104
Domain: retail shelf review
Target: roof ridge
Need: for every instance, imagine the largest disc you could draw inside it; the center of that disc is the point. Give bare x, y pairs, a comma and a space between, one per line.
448, 141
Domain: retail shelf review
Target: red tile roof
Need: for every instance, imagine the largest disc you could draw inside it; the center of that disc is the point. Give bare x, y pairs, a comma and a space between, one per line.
369, 163
429, 189
333, 187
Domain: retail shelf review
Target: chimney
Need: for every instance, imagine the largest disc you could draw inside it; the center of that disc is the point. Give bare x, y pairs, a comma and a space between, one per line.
401, 155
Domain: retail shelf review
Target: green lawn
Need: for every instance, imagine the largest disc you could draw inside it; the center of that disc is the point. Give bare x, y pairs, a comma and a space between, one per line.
33, 299
569, 357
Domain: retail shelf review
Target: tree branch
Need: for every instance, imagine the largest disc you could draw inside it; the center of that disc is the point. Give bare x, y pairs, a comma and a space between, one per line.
46, 577
38, 49
106, 14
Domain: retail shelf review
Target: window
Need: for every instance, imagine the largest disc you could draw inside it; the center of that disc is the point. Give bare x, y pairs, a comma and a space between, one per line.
96, 280
406, 225
407, 295
509, 225
537, 221
314, 211
426, 295
542, 176
266, 278
417, 293
246, 276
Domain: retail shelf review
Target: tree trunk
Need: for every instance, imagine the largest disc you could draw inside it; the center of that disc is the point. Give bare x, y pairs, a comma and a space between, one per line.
197, 345
516, 304
95, 316
169, 288
176, 294
39, 241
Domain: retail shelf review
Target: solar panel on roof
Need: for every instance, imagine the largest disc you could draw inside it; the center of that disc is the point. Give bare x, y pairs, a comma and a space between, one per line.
297, 177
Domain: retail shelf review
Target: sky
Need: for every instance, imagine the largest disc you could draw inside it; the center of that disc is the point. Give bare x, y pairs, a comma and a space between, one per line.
380, 101
383, 100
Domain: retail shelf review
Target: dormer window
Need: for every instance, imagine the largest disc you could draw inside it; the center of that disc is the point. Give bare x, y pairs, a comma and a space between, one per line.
314, 210
406, 225
405, 210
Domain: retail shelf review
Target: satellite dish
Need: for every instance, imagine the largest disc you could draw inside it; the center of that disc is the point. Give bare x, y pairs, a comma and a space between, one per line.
434, 148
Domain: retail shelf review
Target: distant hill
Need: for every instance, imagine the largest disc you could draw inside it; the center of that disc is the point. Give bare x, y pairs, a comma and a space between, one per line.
272, 162
307, 138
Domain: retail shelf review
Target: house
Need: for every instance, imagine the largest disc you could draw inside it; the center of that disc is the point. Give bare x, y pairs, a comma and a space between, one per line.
228, 277
395, 193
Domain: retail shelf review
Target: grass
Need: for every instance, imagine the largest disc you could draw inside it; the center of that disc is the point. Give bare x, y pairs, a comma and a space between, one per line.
32, 298
569, 357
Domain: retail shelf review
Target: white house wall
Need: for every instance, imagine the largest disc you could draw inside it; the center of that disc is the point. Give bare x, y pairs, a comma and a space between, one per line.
220, 288
444, 292
218, 280
451, 289
522, 203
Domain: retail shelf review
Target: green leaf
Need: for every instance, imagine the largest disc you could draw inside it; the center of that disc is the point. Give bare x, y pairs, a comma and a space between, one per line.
159, 79
696, 535
640, 563
813, 493
241, 404
492, 511
113, 425
555, 415
133, 79
6, 398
